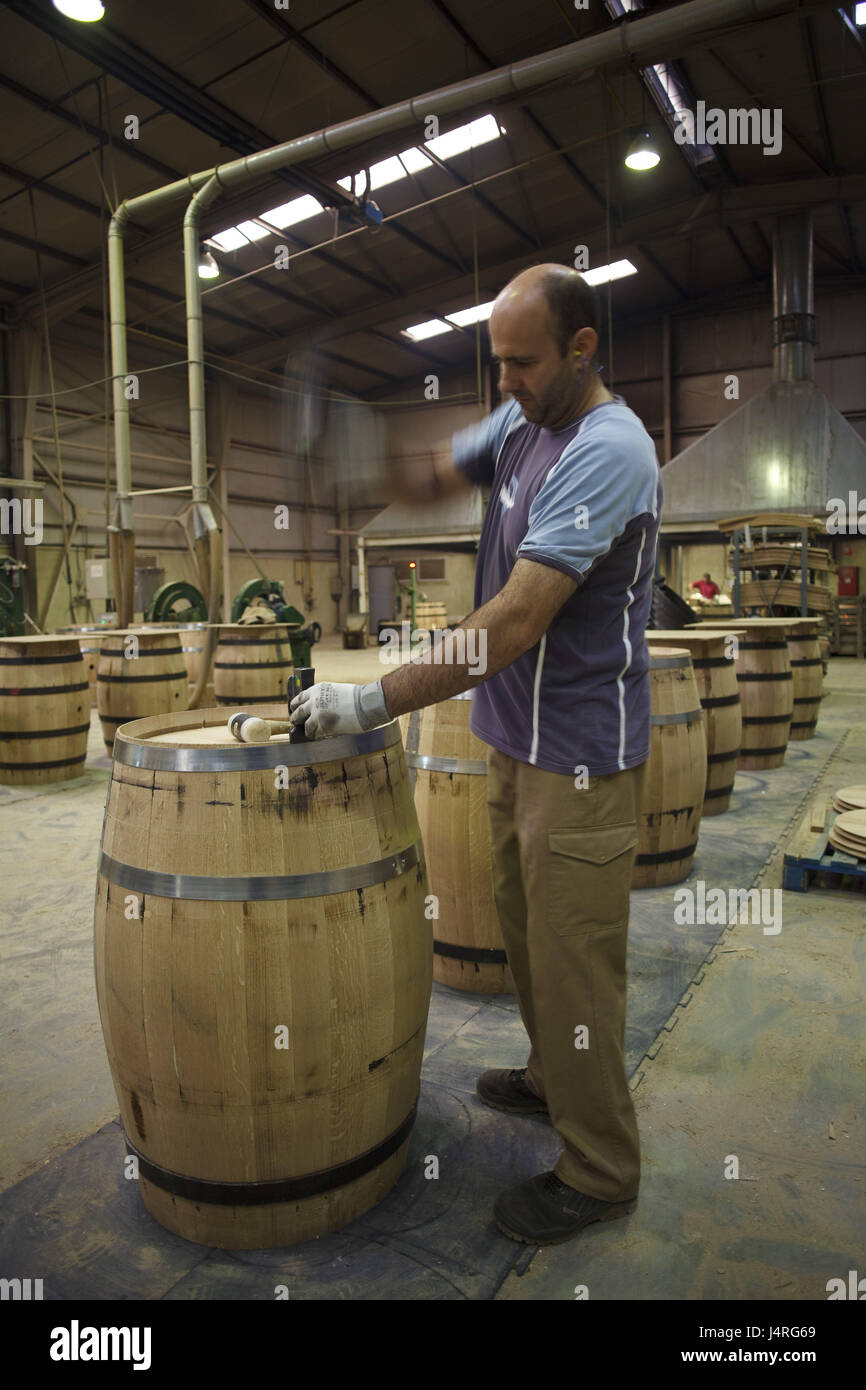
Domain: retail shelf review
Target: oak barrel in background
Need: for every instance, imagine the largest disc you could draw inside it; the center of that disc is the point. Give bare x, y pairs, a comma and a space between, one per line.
276, 907
766, 690
716, 679
450, 773
90, 637
252, 664
676, 772
150, 679
44, 710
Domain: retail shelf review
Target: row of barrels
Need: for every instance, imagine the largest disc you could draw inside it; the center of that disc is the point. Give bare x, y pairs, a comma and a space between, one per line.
50, 683
721, 699
274, 1102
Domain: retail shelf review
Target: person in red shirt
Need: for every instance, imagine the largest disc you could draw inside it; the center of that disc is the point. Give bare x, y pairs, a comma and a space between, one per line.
706, 586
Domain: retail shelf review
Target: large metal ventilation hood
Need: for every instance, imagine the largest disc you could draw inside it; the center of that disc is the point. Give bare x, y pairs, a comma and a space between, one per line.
788, 449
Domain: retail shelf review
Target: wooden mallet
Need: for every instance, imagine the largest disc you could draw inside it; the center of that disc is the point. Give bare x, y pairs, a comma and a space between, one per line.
251, 728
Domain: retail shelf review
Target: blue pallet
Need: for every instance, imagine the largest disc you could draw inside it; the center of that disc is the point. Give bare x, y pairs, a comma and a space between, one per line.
819, 857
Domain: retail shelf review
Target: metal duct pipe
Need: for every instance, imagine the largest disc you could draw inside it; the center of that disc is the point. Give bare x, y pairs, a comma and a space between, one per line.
793, 305
654, 35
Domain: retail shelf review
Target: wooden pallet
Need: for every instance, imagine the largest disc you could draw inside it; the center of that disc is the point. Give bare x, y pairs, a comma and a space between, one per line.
810, 850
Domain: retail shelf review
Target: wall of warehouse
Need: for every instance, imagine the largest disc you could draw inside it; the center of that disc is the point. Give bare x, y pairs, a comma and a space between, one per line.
262, 469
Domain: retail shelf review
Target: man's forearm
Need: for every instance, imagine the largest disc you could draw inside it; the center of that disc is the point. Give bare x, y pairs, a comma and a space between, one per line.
459, 664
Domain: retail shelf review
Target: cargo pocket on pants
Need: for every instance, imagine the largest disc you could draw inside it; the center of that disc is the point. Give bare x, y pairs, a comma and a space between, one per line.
590, 876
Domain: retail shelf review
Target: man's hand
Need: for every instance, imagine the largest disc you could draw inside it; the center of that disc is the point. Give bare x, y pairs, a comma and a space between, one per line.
329, 710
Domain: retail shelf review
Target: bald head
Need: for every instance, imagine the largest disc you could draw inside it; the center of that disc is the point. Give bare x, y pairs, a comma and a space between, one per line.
552, 298
544, 333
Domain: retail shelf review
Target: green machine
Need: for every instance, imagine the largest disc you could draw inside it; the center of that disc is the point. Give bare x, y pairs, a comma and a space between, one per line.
270, 592
183, 603
177, 603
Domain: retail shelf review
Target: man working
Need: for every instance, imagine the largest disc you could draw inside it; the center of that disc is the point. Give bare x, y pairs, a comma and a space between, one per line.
707, 587
563, 587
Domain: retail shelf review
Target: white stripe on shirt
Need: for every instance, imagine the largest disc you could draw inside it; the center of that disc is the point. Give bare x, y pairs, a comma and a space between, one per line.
536, 691
628, 655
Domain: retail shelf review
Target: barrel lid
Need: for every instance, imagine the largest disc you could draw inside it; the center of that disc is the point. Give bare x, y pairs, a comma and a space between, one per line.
36, 639
669, 658
678, 636
199, 741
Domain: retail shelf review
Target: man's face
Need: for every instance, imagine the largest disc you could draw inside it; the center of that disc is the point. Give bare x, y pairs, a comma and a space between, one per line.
546, 386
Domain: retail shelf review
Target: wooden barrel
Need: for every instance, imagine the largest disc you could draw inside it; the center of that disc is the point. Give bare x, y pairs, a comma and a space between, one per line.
89, 640
140, 673
193, 640
44, 710
716, 679
806, 667
252, 665
766, 690
450, 774
677, 772
265, 1017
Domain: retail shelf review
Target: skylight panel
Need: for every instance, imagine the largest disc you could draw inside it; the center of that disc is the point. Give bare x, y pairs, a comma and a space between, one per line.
476, 314
615, 271
428, 330
465, 137
287, 214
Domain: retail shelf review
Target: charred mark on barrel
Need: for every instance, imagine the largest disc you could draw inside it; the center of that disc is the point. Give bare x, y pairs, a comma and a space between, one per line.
371, 1066
243, 795
137, 1115
219, 803
362, 906
312, 777
387, 773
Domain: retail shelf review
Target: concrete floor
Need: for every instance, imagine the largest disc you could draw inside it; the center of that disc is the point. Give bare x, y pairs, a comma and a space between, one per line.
739, 1043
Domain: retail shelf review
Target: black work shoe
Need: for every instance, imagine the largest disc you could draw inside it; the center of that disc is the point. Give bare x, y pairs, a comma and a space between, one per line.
507, 1090
545, 1211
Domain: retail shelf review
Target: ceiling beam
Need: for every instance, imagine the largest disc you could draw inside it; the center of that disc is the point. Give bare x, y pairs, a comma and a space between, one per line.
707, 212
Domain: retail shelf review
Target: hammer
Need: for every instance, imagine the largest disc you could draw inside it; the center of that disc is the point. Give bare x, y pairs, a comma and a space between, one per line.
251, 728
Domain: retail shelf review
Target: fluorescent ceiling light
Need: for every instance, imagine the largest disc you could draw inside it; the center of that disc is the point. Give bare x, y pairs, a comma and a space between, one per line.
428, 329
860, 12
85, 11
615, 271
477, 314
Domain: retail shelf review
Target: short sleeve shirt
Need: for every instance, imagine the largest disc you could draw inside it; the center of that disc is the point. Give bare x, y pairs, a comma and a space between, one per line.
585, 500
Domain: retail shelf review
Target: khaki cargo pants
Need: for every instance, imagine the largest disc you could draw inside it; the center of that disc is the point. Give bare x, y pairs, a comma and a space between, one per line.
562, 865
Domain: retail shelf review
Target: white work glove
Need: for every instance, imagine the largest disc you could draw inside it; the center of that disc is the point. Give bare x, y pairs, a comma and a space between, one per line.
328, 710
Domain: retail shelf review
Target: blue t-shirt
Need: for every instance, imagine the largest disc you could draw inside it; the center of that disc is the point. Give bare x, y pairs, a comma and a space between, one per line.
585, 499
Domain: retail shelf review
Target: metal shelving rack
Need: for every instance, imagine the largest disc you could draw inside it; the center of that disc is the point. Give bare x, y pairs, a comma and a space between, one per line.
743, 539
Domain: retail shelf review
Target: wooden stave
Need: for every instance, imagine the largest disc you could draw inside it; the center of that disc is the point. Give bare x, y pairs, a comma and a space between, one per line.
236, 680
119, 701
455, 828
390, 1082
48, 728
661, 831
